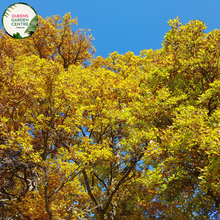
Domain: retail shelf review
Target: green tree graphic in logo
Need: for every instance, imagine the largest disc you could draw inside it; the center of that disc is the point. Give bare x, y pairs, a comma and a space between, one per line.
7, 11
32, 27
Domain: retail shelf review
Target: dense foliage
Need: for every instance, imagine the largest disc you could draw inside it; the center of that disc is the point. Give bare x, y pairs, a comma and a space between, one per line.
126, 137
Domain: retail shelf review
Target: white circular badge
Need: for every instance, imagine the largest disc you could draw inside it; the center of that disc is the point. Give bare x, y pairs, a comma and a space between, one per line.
20, 20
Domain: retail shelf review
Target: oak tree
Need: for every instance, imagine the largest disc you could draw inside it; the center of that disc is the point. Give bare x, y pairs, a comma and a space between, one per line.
123, 137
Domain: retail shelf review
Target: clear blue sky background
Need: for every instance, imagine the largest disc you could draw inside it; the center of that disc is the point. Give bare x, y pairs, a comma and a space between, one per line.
127, 25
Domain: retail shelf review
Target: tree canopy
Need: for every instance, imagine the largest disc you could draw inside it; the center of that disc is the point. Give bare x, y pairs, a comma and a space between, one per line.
123, 137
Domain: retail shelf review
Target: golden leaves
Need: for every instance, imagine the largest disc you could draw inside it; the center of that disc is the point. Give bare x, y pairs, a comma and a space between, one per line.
89, 135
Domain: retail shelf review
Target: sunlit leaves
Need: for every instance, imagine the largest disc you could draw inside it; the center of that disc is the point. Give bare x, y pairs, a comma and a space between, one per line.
125, 137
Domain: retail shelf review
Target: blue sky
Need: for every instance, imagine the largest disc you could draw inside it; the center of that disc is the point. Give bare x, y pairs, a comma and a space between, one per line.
125, 25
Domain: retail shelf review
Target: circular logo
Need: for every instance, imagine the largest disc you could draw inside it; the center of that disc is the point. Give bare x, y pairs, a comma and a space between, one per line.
20, 20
